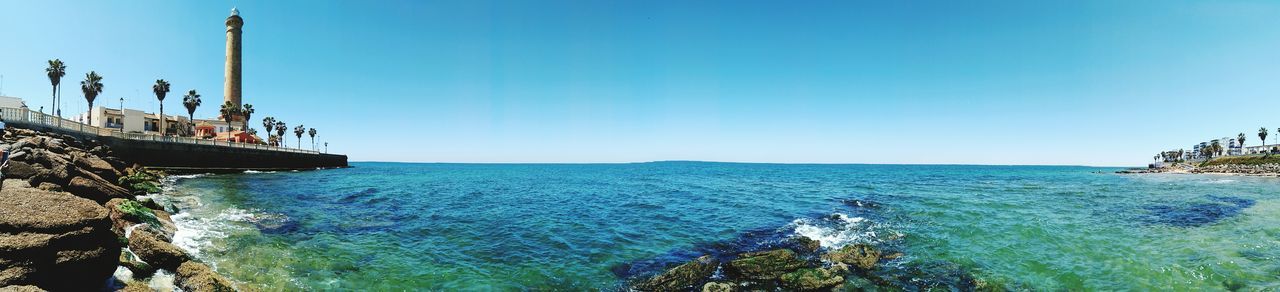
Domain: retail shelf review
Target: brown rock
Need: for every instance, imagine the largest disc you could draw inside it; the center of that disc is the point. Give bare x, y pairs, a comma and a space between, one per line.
23, 288
152, 249
766, 265
19, 169
93, 164
682, 277
55, 241
718, 287
861, 256
135, 286
197, 277
811, 279
95, 188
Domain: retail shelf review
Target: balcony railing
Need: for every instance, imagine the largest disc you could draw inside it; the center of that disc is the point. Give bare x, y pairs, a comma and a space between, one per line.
26, 116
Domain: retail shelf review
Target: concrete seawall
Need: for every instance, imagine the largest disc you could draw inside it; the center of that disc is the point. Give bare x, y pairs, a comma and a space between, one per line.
173, 155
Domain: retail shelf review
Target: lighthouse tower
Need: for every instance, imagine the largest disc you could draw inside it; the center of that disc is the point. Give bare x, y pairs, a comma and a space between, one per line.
231, 78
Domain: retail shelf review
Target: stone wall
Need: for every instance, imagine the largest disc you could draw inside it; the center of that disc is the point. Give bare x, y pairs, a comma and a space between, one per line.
162, 154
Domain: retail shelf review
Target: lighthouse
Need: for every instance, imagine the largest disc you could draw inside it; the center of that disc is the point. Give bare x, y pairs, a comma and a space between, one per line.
231, 78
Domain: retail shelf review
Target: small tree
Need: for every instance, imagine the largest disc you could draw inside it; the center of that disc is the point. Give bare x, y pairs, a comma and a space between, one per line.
280, 128
191, 101
229, 112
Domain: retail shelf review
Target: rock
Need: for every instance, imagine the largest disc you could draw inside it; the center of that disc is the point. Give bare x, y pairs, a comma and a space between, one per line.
47, 186
766, 265
23, 288
860, 256
806, 244
682, 277
151, 248
809, 279
97, 166
150, 203
197, 277
13, 183
140, 269
95, 188
135, 286
55, 241
19, 169
127, 213
718, 287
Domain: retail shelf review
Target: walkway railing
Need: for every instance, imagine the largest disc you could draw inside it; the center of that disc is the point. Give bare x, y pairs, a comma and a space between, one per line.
26, 116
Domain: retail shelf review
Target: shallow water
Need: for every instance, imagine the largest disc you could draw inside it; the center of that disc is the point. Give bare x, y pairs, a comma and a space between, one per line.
479, 227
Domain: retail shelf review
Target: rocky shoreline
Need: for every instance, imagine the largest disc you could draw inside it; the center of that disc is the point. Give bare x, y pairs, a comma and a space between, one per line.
1268, 169
71, 219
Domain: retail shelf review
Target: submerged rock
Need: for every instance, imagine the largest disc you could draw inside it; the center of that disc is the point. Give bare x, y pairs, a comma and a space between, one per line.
861, 256
198, 277
1197, 214
55, 241
140, 269
765, 265
805, 244
682, 277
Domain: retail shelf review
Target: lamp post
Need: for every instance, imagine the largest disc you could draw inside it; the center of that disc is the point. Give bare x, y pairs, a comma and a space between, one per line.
121, 114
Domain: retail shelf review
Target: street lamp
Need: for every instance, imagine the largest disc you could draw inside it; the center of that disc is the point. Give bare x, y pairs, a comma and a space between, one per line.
121, 114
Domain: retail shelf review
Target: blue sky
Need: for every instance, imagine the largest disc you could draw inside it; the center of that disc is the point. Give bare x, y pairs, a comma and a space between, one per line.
982, 82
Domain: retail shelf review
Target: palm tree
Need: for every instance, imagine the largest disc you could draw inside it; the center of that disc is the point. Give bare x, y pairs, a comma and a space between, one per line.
191, 101
161, 88
297, 131
268, 123
1262, 135
229, 111
1240, 142
91, 86
312, 132
1217, 148
245, 112
280, 128
55, 72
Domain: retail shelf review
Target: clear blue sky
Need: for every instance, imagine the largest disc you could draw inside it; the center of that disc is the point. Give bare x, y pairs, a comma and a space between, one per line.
985, 82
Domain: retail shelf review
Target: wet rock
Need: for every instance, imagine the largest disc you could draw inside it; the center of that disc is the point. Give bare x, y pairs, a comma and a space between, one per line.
197, 277
860, 256
139, 268
809, 279
682, 277
135, 286
805, 244
153, 249
718, 287
126, 213
55, 241
856, 203
766, 265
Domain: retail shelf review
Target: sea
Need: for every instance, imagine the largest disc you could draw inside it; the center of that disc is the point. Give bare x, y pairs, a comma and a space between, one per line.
411, 226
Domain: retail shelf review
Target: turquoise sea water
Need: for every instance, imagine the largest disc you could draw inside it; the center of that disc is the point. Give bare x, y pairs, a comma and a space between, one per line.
393, 226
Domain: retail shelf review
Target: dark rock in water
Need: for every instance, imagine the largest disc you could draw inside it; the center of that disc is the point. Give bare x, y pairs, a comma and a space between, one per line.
856, 203
806, 245
683, 277
809, 279
140, 269
765, 265
193, 276
55, 241
927, 276
861, 256
1198, 214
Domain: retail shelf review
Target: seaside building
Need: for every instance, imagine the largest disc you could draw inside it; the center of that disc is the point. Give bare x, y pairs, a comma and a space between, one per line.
10, 102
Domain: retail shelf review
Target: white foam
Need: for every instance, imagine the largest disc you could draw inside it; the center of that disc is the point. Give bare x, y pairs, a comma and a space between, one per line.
256, 171
846, 230
195, 234
1220, 181
186, 176
162, 281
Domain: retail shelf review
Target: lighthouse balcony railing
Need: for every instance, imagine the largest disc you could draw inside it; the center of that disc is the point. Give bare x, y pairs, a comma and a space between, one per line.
28, 117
